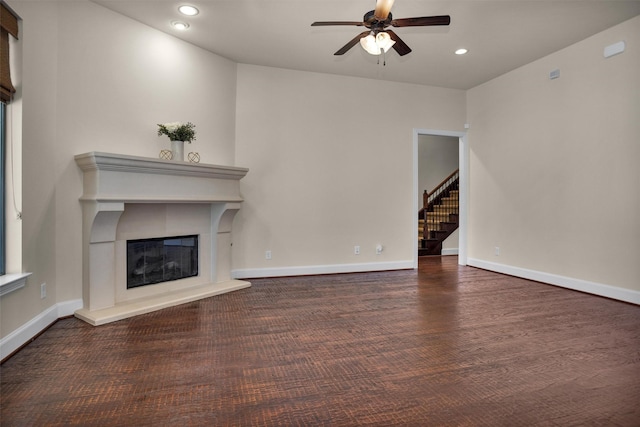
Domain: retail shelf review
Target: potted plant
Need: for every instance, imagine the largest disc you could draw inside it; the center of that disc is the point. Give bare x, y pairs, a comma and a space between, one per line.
178, 133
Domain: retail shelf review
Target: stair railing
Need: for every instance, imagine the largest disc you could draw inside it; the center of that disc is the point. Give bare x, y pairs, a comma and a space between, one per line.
438, 205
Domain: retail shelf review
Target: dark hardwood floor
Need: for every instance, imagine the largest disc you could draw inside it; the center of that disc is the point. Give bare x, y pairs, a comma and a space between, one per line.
442, 346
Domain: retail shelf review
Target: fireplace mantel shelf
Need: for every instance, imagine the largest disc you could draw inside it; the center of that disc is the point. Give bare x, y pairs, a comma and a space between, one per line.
125, 163
112, 177
111, 182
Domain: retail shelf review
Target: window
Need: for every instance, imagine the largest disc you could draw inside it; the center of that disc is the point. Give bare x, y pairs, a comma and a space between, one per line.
8, 29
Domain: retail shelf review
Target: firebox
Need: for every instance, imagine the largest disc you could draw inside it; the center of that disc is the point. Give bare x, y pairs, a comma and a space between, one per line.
163, 259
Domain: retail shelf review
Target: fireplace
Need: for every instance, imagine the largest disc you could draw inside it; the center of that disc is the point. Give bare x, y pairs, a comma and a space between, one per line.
155, 233
162, 259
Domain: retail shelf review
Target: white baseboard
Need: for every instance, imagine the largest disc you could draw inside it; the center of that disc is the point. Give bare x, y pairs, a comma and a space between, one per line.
33, 327
320, 269
450, 251
600, 289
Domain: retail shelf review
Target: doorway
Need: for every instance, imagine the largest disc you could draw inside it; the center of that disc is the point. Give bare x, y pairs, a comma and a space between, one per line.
438, 158
463, 164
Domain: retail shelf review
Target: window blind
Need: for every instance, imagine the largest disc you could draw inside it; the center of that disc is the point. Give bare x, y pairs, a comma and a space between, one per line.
8, 26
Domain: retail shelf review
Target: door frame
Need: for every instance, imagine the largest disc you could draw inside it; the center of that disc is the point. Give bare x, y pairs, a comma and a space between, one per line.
463, 164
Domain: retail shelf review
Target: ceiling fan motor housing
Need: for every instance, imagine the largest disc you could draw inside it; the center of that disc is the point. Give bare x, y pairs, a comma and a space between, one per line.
371, 22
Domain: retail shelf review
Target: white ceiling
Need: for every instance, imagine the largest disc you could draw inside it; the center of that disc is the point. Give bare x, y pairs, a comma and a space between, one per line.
501, 35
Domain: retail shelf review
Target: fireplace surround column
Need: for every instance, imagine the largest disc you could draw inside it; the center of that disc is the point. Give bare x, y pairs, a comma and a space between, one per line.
99, 282
222, 216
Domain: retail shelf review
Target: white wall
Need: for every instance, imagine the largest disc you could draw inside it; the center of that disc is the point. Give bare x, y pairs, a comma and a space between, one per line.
94, 80
326, 173
554, 167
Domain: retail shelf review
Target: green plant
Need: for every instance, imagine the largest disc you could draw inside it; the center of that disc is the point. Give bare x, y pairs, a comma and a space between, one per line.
177, 131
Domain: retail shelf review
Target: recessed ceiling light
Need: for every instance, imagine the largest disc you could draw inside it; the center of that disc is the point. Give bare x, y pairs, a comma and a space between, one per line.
461, 51
179, 25
188, 10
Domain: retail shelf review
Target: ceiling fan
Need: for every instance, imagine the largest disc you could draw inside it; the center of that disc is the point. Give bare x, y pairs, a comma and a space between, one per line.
376, 39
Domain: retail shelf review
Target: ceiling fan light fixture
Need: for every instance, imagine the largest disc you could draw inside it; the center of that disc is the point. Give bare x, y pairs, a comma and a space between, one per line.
368, 43
377, 44
188, 10
384, 42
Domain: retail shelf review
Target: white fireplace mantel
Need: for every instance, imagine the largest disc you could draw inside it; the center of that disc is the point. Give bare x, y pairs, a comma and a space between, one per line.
113, 181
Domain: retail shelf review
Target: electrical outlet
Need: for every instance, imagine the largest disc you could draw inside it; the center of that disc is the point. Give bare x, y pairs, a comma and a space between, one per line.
497, 250
378, 249
43, 291
356, 250
267, 255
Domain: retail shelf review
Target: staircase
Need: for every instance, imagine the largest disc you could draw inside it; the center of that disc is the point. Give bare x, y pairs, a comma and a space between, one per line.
439, 216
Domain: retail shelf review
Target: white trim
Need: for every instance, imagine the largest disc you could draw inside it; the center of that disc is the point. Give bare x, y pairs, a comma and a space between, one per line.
320, 269
415, 192
463, 165
600, 289
33, 327
12, 282
463, 199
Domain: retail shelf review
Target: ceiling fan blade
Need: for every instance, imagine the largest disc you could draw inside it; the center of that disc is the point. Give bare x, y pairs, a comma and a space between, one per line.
383, 7
326, 23
351, 43
400, 46
422, 21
